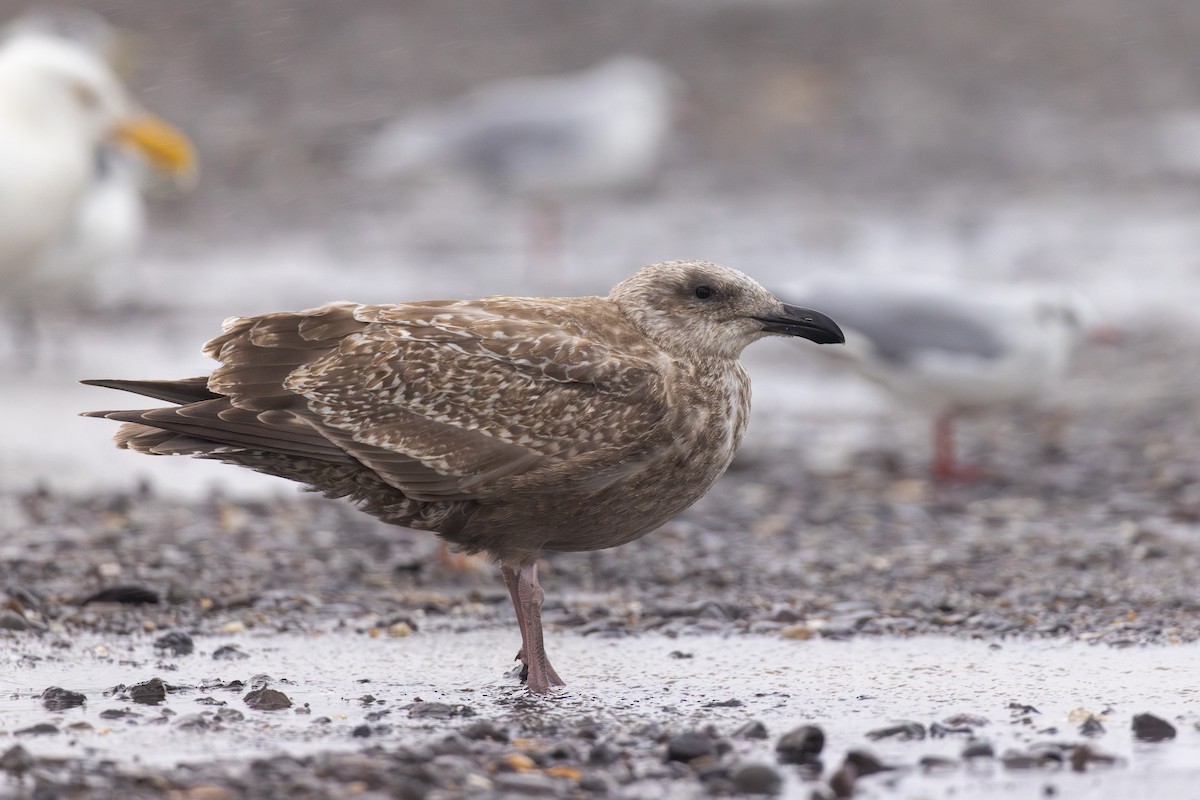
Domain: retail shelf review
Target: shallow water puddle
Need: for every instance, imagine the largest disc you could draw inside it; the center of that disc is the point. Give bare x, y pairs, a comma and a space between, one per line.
846, 688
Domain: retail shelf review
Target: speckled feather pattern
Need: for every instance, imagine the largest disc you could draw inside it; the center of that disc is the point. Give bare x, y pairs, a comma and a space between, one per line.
508, 425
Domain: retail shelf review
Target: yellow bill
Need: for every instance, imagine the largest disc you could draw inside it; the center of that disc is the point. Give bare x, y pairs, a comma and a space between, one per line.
165, 147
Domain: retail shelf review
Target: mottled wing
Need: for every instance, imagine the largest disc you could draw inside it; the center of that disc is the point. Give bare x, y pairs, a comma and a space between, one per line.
457, 401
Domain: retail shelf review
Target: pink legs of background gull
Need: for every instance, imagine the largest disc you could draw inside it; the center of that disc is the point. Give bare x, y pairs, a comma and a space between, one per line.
527, 598
945, 465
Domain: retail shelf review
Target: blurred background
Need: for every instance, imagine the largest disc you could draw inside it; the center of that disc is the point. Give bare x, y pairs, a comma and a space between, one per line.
1016, 141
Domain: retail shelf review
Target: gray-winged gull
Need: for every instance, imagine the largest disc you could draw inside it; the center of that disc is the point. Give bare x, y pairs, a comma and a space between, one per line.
542, 138
508, 425
949, 349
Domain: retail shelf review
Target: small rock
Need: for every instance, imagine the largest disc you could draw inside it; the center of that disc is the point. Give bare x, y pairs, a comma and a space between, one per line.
730, 703
603, 755
421, 709
978, 750
865, 764
936, 764
177, 642
1149, 728
127, 595
16, 760
752, 730
526, 784
1091, 727
12, 621
485, 729
58, 699
1083, 755
229, 715
1019, 761
228, 652
800, 746
42, 729
842, 781
151, 692
756, 778
193, 722
965, 720
904, 731
361, 732
689, 746
267, 700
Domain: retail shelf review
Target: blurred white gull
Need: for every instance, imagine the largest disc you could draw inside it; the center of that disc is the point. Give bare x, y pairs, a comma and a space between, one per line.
951, 349
70, 142
600, 129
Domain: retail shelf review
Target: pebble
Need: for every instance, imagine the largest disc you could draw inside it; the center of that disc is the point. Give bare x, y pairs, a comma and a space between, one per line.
525, 784
12, 621
752, 730
687, 747
267, 699
801, 745
177, 642
865, 763
1149, 728
58, 699
756, 778
16, 760
979, 750
422, 709
41, 729
126, 595
229, 652
151, 692
485, 729
904, 731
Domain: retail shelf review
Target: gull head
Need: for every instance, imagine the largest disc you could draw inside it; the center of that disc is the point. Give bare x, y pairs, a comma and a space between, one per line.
692, 308
61, 88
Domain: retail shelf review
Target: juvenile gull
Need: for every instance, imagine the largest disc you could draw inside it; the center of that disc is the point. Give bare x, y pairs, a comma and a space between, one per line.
952, 349
508, 425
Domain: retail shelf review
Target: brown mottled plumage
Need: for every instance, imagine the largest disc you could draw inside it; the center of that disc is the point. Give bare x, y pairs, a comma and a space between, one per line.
508, 425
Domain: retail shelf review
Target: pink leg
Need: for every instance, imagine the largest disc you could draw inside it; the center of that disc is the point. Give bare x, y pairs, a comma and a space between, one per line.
945, 465
527, 596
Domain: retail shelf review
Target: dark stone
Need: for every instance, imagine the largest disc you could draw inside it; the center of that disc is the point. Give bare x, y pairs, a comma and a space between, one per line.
267, 700
1083, 755
16, 760
1092, 727
58, 699
753, 778
151, 692
938, 730
177, 642
904, 731
1149, 728
193, 722
965, 720
800, 746
841, 783
41, 729
1019, 761
730, 703
229, 715
424, 710
979, 750
864, 763
603, 754
361, 732
12, 621
117, 713
936, 764
128, 595
228, 652
689, 746
751, 730
485, 729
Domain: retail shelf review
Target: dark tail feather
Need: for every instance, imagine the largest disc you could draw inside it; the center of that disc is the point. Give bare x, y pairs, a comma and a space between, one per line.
181, 392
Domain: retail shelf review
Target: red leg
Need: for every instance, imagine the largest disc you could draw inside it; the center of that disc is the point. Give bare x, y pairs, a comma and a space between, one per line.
945, 466
527, 596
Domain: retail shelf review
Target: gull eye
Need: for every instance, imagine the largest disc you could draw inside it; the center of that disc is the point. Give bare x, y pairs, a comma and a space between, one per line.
704, 292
